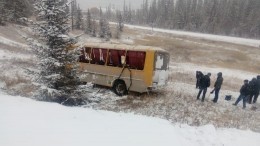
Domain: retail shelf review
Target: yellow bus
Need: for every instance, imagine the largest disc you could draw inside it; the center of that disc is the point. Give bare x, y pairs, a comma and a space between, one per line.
124, 67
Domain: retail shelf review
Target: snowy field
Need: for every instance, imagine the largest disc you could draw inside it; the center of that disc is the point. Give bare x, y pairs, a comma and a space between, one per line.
146, 119
25, 122
236, 40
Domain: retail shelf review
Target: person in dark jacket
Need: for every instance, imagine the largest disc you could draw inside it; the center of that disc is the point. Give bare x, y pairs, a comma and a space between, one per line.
217, 87
244, 92
253, 89
199, 76
204, 84
256, 94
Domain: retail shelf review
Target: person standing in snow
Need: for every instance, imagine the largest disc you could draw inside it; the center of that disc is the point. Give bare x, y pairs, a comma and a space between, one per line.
217, 87
199, 76
244, 92
256, 91
203, 85
253, 89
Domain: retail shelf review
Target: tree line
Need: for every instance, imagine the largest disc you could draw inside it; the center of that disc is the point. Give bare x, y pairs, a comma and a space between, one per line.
14, 10
225, 17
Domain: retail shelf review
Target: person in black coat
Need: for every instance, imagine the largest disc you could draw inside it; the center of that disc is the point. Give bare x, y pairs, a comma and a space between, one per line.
253, 89
217, 87
244, 92
203, 85
199, 76
256, 91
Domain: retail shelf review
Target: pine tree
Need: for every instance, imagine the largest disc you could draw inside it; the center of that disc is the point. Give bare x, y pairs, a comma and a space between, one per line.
73, 13
104, 29
3, 16
120, 21
13, 10
107, 31
120, 25
89, 27
79, 19
94, 28
56, 63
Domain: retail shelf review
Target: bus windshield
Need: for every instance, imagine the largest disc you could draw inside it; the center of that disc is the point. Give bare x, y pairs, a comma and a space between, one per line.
162, 61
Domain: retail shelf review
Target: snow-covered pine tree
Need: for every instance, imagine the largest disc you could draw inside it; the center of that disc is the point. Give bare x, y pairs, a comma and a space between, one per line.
120, 21
89, 27
56, 63
79, 18
18, 9
12, 10
104, 29
94, 30
3, 16
108, 33
119, 26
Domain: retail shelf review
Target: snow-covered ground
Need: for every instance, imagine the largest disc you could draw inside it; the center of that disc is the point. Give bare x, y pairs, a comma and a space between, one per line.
235, 40
25, 122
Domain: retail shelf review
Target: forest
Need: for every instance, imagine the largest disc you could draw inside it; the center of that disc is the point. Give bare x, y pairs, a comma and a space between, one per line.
223, 17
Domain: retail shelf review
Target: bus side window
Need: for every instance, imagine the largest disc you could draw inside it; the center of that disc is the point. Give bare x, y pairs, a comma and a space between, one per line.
141, 58
99, 56
103, 56
87, 52
84, 55
121, 54
113, 59
135, 60
131, 59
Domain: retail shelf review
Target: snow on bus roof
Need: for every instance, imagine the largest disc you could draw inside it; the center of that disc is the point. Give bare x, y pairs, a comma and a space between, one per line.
123, 46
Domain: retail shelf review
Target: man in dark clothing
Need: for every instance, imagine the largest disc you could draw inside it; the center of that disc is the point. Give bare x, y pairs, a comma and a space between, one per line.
204, 84
217, 87
243, 94
199, 76
253, 89
257, 89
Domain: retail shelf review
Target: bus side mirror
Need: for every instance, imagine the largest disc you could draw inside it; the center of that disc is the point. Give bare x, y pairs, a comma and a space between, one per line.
122, 59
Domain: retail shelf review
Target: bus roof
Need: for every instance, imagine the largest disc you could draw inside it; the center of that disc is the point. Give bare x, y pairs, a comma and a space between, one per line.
123, 47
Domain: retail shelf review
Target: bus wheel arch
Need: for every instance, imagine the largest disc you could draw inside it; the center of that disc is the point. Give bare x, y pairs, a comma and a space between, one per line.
119, 87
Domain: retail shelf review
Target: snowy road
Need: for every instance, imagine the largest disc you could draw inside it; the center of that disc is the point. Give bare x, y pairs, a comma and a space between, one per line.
228, 39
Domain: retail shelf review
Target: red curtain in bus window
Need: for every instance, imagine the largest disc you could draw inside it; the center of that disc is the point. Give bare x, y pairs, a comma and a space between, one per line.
114, 58
136, 59
141, 60
103, 55
95, 56
99, 56
132, 59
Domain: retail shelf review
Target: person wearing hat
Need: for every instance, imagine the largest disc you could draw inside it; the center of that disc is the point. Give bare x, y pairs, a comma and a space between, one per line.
244, 92
217, 87
204, 84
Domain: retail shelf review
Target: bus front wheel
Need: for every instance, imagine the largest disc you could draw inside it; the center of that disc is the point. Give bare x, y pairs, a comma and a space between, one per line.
120, 88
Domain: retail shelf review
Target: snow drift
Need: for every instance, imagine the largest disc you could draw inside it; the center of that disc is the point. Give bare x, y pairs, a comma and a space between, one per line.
25, 122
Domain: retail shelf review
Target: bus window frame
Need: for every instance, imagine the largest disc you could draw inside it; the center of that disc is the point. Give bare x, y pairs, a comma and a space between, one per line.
120, 65
136, 68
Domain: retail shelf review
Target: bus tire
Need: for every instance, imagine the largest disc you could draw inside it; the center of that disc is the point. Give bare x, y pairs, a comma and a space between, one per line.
119, 88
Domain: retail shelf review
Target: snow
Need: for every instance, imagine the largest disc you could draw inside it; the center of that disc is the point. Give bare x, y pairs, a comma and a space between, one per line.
9, 42
5, 55
192, 68
235, 40
25, 122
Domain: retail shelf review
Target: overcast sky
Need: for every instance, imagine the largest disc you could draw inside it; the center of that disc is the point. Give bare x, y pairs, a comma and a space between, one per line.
85, 4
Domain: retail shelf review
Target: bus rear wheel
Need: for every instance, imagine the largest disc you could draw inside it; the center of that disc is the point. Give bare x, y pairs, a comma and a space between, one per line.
120, 88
